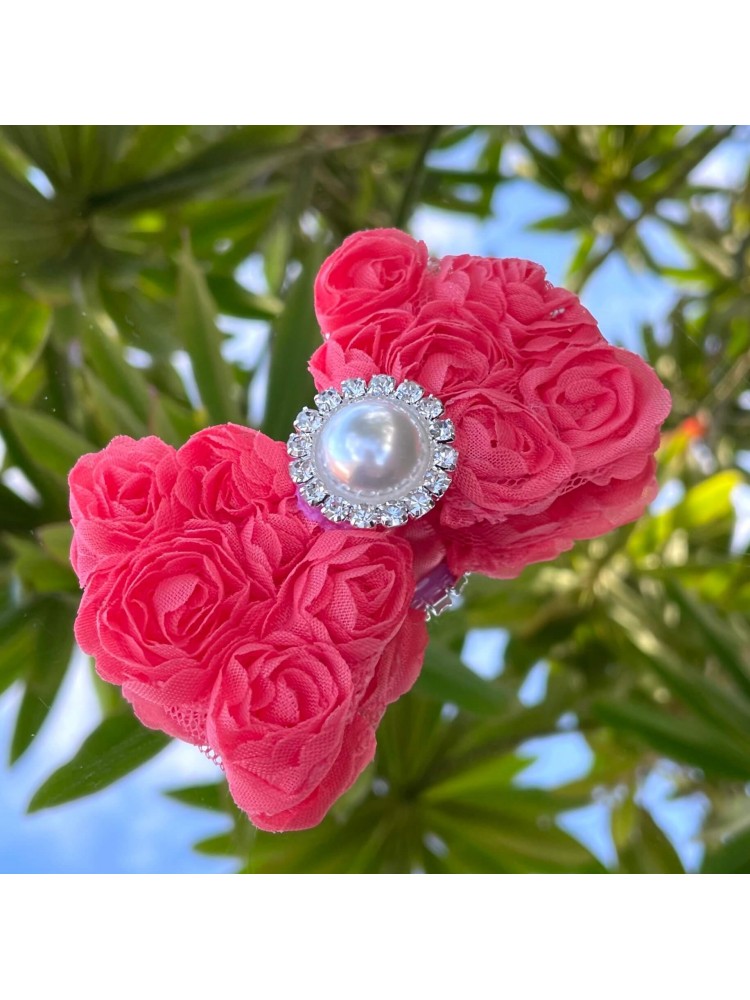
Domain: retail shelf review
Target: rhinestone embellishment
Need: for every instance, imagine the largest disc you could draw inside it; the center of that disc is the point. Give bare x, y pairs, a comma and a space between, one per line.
372, 453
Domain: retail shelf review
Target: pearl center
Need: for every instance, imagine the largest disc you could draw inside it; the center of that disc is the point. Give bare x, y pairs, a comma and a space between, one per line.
373, 450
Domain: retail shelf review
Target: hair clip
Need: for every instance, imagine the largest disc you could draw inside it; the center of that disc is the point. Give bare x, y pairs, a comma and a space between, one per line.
267, 602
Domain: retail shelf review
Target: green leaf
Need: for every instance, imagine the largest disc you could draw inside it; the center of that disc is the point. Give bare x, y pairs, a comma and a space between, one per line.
52, 622
295, 336
48, 443
39, 569
218, 846
24, 325
213, 796
445, 677
16, 514
732, 857
248, 152
717, 635
196, 327
119, 745
234, 300
105, 356
709, 500
244, 219
17, 643
681, 738
110, 416
56, 540
642, 847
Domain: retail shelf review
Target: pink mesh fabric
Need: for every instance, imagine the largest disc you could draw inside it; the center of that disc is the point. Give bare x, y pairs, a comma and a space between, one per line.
235, 619
544, 407
233, 622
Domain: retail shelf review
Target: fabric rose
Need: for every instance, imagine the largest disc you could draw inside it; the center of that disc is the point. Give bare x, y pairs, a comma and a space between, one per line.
156, 623
445, 347
294, 722
538, 315
605, 403
510, 460
185, 615
229, 473
117, 498
585, 511
353, 589
359, 351
236, 617
371, 271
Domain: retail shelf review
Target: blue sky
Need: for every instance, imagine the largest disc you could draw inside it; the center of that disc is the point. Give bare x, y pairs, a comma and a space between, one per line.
132, 826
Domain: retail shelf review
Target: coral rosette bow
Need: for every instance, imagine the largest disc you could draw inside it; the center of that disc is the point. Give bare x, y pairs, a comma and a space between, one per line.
234, 616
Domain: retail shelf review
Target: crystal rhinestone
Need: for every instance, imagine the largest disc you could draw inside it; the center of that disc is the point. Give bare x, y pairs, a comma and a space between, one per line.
442, 430
446, 457
430, 407
336, 509
410, 392
314, 492
437, 482
298, 445
418, 503
394, 514
362, 516
328, 400
353, 388
301, 470
381, 385
308, 420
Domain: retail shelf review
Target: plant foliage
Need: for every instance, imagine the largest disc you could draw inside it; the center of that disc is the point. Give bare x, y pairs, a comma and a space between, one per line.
130, 256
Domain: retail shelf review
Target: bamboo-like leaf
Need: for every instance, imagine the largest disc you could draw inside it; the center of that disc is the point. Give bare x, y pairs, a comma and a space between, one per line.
731, 857
48, 443
119, 745
295, 336
645, 850
52, 621
231, 161
24, 325
212, 796
445, 677
17, 643
196, 325
718, 636
683, 739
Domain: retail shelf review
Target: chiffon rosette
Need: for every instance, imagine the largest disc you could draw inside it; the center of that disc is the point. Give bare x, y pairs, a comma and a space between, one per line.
237, 619
232, 621
555, 428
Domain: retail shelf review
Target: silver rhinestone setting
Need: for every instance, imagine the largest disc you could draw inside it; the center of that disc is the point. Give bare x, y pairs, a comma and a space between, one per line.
435, 471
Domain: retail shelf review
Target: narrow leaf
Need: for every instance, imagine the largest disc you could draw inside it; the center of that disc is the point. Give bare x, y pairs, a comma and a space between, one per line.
52, 621
212, 796
48, 443
682, 739
196, 327
295, 336
24, 325
445, 677
117, 746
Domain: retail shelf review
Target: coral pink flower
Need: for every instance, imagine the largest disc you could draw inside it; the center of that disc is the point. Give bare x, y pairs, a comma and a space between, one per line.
235, 617
117, 498
229, 472
157, 622
294, 721
511, 459
605, 403
371, 271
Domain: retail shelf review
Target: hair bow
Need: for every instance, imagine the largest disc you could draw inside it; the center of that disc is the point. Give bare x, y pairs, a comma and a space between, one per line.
266, 602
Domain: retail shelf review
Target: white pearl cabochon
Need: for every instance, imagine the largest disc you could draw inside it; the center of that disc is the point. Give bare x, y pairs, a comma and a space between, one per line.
373, 450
